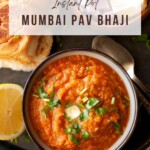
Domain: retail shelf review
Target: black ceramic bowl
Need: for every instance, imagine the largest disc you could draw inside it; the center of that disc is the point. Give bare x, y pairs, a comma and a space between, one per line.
92, 53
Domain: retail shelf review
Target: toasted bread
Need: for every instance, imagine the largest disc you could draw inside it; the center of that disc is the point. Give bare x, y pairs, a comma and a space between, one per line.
20, 52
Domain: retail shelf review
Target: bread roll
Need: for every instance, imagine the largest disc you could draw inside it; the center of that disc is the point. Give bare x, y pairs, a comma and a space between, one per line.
20, 52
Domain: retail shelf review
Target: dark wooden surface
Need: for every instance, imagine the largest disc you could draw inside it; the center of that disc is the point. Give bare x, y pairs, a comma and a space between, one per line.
141, 56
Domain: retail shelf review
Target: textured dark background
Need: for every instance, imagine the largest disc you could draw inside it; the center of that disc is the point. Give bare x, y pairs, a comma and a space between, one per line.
141, 56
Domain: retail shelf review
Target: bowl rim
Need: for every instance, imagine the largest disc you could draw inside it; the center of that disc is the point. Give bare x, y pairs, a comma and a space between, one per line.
83, 50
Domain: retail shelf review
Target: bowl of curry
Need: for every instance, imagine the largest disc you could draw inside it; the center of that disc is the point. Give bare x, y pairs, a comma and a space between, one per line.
79, 99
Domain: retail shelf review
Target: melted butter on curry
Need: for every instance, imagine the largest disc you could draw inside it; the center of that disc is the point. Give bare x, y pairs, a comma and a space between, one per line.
79, 102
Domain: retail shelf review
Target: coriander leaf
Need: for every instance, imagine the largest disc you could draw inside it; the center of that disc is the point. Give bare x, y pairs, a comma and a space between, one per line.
84, 90
35, 95
91, 102
68, 104
71, 131
26, 137
85, 135
42, 93
142, 38
81, 105
148, 44
75, 125
74, 129
85, 99
43, 113
126, 97
43, 110
53, 103
74, 139
84, 115
127, 104
67, 117
101, 111
117, 127
68, 130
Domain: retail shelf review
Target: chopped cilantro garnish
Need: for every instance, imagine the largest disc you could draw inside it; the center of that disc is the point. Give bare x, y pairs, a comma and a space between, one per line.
91, 102
67, 117
85, 99
68, 104
35, 95
43, 111
117, 127
75, 125
46, 99
42, 93
113, 100
127, 98
51, 101
74, 139
127, 104
81, 105
70, 131
84, 90
74, 129
26, 137
101, 111
85, 135
54, 103
84, 115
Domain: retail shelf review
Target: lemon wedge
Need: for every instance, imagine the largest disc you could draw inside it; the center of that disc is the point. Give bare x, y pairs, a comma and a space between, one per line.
11, 121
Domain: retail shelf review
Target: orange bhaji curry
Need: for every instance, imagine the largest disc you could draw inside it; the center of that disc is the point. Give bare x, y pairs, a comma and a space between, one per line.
78, 103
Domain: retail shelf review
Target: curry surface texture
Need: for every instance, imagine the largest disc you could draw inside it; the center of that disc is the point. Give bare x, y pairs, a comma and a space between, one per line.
79, 103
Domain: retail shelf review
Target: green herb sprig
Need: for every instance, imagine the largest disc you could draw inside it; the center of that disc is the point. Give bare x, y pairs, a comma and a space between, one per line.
74, 129
91, 102
127, 102
117, 127
42, 93
101, 111
85, 135
84, 115
74, 139
51, 101
26, 137
142, 38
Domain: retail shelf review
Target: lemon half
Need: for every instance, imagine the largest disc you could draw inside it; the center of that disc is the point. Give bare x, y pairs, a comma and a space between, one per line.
11, 121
